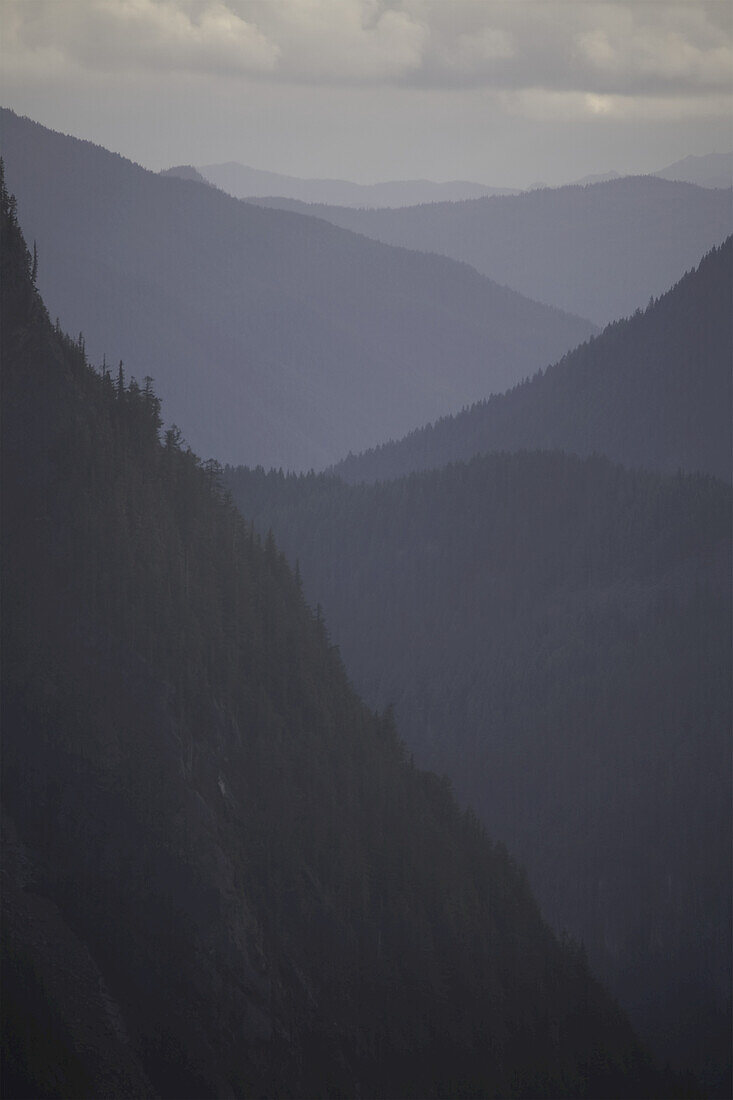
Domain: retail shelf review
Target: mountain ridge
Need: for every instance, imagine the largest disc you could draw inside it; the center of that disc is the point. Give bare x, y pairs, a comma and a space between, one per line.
653, 390
274, 338
243, 182
599, 251
714, 170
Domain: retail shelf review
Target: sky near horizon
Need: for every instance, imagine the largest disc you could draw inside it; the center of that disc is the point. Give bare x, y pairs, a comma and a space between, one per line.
506, 93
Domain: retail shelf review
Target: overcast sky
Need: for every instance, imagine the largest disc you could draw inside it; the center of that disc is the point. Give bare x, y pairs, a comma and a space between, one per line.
503, 93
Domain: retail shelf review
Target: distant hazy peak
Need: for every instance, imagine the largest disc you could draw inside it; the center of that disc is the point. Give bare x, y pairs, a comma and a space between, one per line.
713, 170
598, 177
244, 182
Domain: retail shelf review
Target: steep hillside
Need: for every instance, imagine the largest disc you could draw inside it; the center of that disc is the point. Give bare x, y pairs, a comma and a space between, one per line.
599, 251
654, 390
221, 877
554, 634
274, 338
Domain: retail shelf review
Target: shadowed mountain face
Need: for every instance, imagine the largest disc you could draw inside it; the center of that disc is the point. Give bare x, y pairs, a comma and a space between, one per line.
554, 634
243, 183
221, 876
600, 251
654, 391
274, 338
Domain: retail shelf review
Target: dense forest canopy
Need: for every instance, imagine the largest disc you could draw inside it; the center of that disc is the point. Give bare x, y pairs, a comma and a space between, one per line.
554, 633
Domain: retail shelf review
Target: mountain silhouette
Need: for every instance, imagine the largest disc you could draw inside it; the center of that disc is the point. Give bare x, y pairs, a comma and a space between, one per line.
272, 337
653, 390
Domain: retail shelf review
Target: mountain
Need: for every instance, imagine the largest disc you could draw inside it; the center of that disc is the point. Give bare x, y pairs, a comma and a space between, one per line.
244, 183
274, 338
654, 390
184, 172
597, 177
221, 874
554, 634
599, 251
712, 170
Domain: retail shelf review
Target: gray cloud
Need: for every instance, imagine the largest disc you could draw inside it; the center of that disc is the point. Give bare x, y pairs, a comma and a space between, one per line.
133, 35
614, 48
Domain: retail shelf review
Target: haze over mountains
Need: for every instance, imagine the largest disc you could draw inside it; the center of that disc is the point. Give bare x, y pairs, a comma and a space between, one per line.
225, 875
599, 251
654, 390
243, 182
273, 337
221, 875
713, 170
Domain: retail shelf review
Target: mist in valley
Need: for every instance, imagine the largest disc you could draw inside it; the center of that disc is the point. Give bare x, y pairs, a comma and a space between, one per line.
366, 549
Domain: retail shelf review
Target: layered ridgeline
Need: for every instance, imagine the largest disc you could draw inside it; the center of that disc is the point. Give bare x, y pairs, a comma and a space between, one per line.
222, 877
599, 251
554, 634
244, 182
654, 390
274, 338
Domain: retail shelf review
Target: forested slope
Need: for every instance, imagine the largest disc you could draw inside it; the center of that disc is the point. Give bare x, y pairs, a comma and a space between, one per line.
554, 633
221, 875
273, 337
600, 251
654, 390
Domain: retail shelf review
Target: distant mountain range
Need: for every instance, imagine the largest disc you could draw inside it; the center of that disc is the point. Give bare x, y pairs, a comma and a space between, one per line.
714, 170
598, 251
243, 183
274, 338
654, 390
